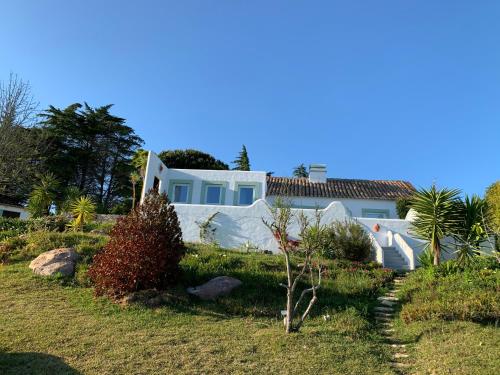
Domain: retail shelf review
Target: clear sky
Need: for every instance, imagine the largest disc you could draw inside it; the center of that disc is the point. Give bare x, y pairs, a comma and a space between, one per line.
374, 89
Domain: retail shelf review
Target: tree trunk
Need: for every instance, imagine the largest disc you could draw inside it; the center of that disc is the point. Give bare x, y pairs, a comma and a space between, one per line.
289, 296
437, 253
133, 195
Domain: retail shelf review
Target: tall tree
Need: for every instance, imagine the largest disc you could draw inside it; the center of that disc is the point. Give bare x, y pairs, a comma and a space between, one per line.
242, 162
492, 198
91, 149
437, 216
19, 139
191, 159
300, 171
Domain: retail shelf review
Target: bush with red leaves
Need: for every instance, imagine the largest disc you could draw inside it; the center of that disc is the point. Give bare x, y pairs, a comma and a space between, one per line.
143, 252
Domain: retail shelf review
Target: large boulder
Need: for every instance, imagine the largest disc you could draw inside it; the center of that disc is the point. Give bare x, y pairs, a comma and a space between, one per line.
219, 286
61, 261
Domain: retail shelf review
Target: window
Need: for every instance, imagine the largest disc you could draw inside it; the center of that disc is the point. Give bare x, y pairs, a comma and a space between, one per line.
181, 193
156, 184
375, 213
245, 195
213, 194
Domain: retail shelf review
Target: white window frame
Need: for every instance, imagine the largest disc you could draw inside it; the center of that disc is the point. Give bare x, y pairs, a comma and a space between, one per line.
187, 192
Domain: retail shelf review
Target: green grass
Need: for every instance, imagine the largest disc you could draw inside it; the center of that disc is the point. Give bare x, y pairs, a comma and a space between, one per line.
448, 319
451, 347
53, 324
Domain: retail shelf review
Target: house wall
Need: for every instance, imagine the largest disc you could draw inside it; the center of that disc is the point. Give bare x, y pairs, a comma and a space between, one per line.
354, 206
22, 211
238, 225
231, 180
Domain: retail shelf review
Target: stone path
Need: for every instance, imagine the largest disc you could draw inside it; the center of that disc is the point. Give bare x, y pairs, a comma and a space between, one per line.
384, 315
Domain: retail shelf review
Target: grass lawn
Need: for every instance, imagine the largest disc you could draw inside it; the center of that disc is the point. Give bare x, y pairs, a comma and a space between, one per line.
55, 327
448, 320
455, 347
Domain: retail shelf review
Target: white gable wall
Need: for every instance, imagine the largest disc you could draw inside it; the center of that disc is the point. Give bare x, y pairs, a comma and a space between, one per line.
196, 177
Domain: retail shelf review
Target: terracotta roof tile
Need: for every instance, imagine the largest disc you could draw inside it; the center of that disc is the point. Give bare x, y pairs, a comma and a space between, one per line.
339, 188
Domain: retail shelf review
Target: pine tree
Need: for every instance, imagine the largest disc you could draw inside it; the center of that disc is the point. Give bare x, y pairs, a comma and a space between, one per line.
242, 162
300, 171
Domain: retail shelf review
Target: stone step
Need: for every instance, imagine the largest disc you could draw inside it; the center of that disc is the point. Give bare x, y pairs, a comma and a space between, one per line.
379, 314
400, 355
381, 319
387, 298
384, 309
398, 346
388, 303
388, 332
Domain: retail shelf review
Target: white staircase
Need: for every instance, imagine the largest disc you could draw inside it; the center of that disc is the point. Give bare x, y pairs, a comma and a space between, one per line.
394, 260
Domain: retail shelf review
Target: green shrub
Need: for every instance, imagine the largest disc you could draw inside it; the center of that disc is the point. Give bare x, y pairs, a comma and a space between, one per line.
346, 240
449, 292
29, 246
13, 224
49, 223
426, 258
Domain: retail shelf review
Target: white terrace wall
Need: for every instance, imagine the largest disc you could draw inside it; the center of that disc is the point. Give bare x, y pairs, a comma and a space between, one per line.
236, 226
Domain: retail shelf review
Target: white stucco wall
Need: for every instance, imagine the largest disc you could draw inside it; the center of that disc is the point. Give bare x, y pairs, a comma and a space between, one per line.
23, 212
354, 206
236, 226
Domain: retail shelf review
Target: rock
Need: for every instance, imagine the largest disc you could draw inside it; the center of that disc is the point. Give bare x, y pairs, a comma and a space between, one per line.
219, 286
61, 260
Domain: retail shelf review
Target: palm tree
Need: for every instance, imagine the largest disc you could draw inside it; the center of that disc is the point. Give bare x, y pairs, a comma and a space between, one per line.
471, 231
43, 195
83, 210
134, 179
437, 216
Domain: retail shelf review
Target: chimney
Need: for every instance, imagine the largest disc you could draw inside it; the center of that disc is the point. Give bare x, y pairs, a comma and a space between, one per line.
317, 173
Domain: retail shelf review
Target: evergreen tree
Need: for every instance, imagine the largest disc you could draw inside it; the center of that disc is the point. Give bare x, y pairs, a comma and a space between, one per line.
191, 159
242, 162
90, 149
300, 171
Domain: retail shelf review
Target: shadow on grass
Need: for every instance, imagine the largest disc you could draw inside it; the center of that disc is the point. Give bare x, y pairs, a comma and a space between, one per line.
261, 296
33, 363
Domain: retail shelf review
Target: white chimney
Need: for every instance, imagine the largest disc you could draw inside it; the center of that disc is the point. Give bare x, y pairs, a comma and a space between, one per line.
317, 173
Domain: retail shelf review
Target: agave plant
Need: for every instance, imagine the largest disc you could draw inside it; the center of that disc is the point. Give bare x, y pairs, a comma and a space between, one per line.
436, 217
43, 195
83, 210
471, 231
71, 195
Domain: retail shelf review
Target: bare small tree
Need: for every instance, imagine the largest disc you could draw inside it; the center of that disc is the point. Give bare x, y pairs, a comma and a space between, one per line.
306, 248
18, 140
17, 105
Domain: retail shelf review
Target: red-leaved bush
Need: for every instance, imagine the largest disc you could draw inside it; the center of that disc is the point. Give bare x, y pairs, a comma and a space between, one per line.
143, 252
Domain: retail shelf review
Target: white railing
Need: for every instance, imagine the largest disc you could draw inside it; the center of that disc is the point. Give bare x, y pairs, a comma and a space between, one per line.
405, 250
379, 252
390, 237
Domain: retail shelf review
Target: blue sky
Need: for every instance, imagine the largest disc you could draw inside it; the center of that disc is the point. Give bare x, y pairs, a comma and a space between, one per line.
374, 89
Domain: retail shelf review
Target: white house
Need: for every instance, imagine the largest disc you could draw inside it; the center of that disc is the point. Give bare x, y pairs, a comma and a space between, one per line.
241, 199
9, 208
